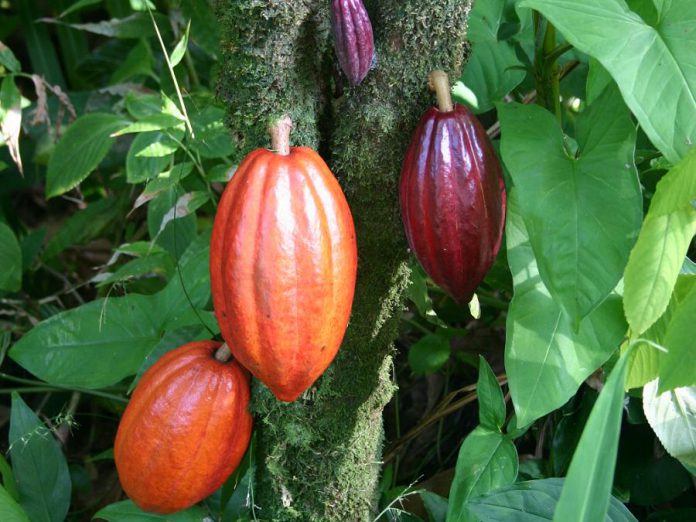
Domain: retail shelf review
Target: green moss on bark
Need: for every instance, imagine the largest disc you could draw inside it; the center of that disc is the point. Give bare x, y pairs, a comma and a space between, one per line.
319, 458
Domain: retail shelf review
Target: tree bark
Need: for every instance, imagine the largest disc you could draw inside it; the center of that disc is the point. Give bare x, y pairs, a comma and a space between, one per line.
318, 459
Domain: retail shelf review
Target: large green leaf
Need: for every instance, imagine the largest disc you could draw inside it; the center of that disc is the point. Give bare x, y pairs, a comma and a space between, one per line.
493, 69
659, 253
151, 153
127, 511
678, 364
487, 460
533, 501
587, 489
10, 260
672, 416
81, 149
582, 212
546, 357
429, 354
94, 345
490, 398
10, 511
39, 466
652, 65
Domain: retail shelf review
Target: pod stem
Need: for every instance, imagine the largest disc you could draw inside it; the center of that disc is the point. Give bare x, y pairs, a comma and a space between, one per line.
439, 82
280, 135
223, 354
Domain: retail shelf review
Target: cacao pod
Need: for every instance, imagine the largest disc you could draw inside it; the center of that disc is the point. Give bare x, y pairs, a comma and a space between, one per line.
185, 429
355, 47
452, 199
283, 263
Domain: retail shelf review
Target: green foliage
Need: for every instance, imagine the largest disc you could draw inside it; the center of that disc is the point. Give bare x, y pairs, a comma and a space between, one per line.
39, 466
126, 510
10, 260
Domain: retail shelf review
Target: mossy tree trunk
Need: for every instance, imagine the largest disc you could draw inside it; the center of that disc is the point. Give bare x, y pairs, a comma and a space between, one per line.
319, 458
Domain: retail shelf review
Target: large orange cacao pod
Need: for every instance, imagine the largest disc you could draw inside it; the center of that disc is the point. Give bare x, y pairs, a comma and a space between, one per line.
453, 199
282, 266
185, 429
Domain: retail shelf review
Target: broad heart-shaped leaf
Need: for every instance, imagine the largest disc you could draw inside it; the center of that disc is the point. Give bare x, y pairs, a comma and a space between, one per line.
10, 511
81, 149
10, 260
583, 213
672, 416
487, 460
490, 398
435, 505
429, 354
659, 253
493, 69
546, 358
39, 466
648, 355
126, 510
587, 489
91, 346
653, 66
101, 342
533, 501
678, 365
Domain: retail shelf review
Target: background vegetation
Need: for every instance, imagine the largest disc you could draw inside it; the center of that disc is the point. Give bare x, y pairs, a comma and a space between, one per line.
567, 386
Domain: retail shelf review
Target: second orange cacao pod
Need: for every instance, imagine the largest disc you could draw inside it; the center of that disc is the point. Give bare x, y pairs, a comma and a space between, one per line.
282, 266
185, 429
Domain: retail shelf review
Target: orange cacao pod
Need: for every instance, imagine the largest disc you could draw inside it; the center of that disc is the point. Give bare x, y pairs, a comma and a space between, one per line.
185, 429
282, 267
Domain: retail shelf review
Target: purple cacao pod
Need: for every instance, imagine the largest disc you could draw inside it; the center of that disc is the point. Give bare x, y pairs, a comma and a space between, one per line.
355, 45
452, 199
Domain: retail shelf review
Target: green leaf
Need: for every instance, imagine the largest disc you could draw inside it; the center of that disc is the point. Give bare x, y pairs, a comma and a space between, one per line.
490, 398
81, 149
152, 122
533, 501
678, 365
137, 25
8, 479
659, 253
582, 212
94, 345
546, 357
643, 60
205, 27
487, 461
435, 505
149, 154
672, 416
587, 489
8, 59
126, 510
157, 264
171, 340
10, 260
429, 354
83, 226
164, 181
213, 138
80, 4
39, 466
10, 511
417, 292
598, 79
139, 62
180, 49
42, 52
493, 69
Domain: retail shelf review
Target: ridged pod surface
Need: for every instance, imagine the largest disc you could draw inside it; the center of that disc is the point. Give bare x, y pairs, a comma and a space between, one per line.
283, 263
453, 200
353, 37
185, 429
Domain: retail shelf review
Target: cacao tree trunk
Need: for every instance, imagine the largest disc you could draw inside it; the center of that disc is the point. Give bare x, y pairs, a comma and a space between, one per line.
319, 458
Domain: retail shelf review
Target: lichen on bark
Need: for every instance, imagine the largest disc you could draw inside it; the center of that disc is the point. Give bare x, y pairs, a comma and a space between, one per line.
319, 458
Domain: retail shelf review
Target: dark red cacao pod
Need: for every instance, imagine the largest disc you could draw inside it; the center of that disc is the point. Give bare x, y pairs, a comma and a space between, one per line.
355, 45
185, 429
453, 200
283, 263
